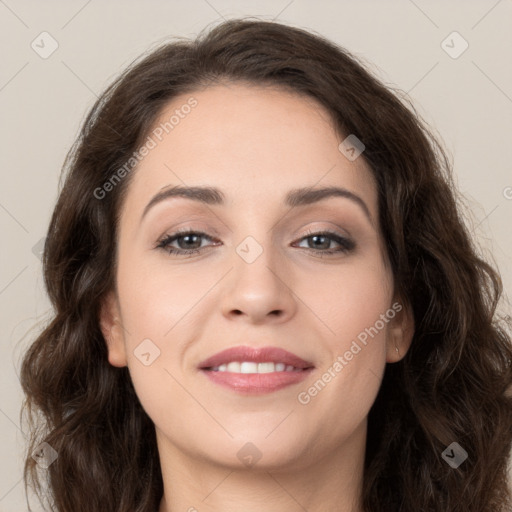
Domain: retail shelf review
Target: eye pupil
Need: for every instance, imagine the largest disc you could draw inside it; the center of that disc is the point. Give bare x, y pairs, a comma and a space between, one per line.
187, 238
315, 239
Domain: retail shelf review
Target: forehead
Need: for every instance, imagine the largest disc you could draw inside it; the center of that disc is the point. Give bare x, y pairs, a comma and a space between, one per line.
254, 143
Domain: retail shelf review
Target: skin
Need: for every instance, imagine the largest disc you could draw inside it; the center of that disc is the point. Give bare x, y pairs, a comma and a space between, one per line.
255, 144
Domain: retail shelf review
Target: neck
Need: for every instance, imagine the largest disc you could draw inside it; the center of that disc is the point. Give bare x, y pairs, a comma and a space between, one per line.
325, 484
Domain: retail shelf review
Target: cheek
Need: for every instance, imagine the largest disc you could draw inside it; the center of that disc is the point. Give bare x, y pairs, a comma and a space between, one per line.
157, 320
156, 297
355, 310
160, 308
350, 299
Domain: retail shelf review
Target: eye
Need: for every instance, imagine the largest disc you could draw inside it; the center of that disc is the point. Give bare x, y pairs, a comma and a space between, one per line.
189, 242
320, 242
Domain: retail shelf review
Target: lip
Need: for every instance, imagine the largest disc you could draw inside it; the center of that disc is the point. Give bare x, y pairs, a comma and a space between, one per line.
256, 383
255, 355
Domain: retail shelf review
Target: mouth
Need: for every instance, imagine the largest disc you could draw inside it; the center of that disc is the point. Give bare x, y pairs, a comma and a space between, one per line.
246, 367
248, 370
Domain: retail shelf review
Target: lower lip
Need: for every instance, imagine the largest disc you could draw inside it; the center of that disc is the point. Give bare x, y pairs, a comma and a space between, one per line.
257, 383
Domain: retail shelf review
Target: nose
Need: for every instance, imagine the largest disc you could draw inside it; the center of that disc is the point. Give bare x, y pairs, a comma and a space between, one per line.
259, 290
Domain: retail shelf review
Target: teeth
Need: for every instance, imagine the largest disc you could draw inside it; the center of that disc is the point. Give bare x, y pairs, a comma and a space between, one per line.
252, 367
233, 367
248, 367
266, 367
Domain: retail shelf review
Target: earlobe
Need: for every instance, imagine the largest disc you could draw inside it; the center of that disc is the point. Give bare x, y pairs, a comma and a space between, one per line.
111, 328
400, 335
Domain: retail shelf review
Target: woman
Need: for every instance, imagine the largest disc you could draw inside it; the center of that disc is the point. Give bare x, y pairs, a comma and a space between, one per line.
328, 339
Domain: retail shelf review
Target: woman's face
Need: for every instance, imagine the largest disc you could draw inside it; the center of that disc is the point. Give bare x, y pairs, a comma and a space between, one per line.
259, 277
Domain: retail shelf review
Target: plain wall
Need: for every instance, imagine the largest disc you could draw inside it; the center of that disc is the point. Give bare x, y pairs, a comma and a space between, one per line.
467, 99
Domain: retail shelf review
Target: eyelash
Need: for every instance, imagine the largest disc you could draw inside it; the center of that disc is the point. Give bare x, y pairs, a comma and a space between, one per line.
347, 245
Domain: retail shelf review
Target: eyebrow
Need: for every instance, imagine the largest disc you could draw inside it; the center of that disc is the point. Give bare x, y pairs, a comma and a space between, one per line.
294, 198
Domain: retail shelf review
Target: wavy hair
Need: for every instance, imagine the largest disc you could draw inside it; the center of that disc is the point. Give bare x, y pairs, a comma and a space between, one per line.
453, 385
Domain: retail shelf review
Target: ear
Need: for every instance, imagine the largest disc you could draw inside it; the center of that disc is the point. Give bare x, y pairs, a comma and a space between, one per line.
400, 332
111, 327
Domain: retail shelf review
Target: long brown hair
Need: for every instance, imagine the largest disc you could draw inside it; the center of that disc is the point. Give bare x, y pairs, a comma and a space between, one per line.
450, 387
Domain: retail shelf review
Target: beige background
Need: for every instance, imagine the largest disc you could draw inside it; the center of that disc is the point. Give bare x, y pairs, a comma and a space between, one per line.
468, 100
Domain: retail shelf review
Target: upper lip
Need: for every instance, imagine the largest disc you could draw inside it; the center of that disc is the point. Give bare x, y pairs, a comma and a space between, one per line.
256, 355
